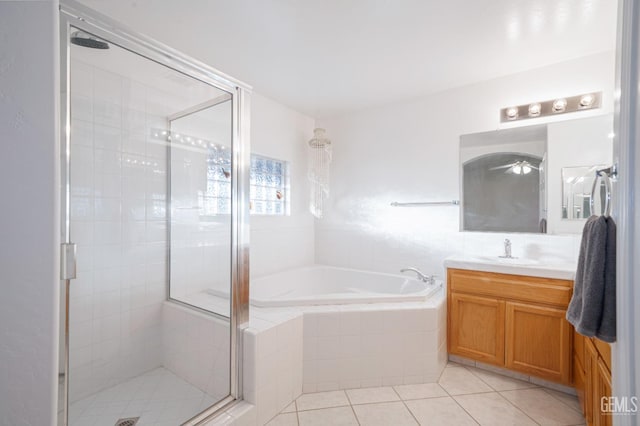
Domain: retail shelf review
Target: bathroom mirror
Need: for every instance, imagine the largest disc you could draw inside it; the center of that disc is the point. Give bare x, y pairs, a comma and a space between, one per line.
577, 183
503, 180
532, 178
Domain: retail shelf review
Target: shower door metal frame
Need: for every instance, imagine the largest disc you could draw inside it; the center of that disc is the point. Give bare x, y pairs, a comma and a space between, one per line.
78, 16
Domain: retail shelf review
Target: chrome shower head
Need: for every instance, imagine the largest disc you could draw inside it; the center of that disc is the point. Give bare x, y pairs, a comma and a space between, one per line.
80, 38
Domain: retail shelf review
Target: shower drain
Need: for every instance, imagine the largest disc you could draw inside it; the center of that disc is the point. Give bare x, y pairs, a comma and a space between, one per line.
131, 421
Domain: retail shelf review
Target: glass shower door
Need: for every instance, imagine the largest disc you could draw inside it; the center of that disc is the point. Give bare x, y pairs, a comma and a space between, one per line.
150, 173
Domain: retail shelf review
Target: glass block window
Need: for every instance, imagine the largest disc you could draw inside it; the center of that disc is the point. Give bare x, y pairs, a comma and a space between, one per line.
269, 184
269, 190
217, 197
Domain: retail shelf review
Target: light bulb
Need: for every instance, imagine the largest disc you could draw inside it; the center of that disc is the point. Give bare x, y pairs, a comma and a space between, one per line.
512, 113
559, 105
517, 169
586, 101
526, 170
534, 110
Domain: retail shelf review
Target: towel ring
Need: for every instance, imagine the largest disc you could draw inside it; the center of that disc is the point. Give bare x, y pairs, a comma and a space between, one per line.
604, 174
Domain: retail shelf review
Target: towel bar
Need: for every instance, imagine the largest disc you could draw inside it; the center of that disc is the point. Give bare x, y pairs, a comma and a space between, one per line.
426, 203
605, 174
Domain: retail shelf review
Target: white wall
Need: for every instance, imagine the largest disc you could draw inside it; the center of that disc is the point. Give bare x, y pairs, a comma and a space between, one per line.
410, 152
29, 88
282, 242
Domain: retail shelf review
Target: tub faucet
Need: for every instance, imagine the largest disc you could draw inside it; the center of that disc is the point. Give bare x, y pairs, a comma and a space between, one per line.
431, 279
507, 249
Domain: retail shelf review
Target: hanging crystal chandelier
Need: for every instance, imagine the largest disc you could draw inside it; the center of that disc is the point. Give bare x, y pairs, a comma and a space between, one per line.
318, 174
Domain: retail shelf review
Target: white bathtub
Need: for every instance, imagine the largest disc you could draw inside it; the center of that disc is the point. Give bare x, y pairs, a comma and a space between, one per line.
325, 285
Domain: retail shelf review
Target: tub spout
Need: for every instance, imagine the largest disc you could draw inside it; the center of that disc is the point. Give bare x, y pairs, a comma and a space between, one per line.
422, 277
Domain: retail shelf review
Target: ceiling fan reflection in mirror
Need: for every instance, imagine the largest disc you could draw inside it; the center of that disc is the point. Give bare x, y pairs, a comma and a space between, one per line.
521, 167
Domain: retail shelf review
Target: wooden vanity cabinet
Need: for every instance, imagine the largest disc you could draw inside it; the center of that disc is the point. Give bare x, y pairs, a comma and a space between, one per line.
511, 321
592, 377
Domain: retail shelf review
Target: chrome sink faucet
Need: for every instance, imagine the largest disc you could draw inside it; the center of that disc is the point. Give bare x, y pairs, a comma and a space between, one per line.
507, 249
431, 279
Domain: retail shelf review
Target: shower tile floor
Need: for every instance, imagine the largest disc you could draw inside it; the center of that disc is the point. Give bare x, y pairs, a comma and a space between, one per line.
158, 397
463, 396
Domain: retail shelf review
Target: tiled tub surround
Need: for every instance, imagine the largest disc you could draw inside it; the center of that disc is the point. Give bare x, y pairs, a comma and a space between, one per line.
353, 346
291, 350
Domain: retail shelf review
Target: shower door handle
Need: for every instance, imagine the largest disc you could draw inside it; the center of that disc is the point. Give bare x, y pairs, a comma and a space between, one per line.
67, 261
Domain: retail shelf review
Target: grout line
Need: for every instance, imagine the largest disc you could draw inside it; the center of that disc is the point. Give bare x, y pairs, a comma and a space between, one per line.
351, 406
518, 408
480, 378
406, 406
546, 390
324, 408
459, 405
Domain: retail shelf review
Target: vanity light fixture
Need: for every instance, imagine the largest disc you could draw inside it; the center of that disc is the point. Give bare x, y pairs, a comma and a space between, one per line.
576, 103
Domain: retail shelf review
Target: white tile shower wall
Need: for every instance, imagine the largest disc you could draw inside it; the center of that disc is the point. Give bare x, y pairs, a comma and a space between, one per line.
118, 221
282, 242
277, 242
196, 347
347, 348
273, 367
409, 152
200, 246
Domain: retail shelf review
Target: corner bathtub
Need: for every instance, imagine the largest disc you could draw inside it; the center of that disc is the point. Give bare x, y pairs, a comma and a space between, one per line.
325, 285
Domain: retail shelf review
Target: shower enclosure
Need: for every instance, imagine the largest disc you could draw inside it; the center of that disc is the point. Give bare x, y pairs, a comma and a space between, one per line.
155, 255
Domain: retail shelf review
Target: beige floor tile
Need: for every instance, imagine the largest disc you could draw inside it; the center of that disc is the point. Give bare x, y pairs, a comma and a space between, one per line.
313, 401
499, 382
337, 416
542, 407
287, 419
370, 395
491, 409
291, 408
460, 381
439, 412
384, 414
570, 400
420, 391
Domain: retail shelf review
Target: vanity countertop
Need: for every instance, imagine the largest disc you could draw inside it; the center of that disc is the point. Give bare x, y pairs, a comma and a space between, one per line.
515, 266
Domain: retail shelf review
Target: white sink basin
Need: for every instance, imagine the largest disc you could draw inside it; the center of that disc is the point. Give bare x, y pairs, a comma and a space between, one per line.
507, 260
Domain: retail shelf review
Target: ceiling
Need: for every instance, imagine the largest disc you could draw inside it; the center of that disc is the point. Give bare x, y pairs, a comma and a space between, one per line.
327, 57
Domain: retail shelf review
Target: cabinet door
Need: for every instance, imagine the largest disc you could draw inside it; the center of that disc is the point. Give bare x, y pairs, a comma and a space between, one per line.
538, 341
602, 390
591, 400
476, 328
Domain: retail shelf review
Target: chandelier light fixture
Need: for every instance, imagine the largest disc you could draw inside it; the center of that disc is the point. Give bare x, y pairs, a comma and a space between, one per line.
318, 172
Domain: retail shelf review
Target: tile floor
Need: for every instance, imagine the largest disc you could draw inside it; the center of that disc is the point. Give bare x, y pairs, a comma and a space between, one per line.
158, 397
463, 396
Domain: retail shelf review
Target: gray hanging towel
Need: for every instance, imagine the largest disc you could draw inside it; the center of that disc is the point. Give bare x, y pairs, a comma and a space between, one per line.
585, 308
607, 329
